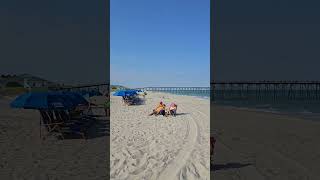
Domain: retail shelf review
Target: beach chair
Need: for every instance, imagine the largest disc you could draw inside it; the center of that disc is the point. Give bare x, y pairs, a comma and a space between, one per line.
75, 128
126, 100
133, 100
82, 110
75, 125
52, 124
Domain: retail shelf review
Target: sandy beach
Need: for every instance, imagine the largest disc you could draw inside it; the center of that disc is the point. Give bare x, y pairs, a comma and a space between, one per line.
260, 145
150, 147
25, 156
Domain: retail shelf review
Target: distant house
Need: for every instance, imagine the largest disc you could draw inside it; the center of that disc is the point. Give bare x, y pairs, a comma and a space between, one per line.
25, 80
30, 81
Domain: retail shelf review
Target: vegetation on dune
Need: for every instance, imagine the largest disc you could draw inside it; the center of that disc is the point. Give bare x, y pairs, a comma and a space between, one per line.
13, 84
12, 91
117, 87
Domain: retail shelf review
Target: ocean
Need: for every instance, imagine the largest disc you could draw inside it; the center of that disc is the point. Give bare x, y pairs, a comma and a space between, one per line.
303, 104
298, 103
205, 94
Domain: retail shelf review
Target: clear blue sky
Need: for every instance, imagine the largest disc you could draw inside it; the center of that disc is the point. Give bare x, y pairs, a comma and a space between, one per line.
160, 43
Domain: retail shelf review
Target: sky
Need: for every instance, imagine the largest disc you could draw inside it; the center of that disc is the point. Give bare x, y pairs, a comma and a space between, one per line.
62, 40
160, 43
266, 40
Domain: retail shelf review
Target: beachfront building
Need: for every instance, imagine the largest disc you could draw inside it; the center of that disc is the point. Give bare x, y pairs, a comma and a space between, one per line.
24, 80
34, 82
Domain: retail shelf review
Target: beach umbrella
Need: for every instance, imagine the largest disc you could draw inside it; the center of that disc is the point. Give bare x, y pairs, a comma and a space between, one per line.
76, 98
90, 93
42, 100
95, 93
125, 93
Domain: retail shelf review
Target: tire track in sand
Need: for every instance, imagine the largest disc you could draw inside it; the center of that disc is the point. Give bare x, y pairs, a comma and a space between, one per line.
172, 170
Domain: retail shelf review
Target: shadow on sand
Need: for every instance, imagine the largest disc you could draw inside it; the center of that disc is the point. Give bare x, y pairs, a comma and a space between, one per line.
181, 114
138, 102
218, 167
100, 128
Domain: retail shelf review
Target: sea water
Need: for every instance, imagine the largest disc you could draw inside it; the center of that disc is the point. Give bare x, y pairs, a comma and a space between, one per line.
196, 93
297, 104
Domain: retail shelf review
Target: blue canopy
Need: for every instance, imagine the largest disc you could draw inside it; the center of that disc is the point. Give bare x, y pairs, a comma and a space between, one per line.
76, 98
43, 100
90, 93
125, 93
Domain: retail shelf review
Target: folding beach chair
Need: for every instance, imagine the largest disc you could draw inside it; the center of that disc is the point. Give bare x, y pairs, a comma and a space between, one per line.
52, 124
132, 100
75, 128
75, 125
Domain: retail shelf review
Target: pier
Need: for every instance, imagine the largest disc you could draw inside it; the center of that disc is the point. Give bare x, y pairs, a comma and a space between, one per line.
181, 90
266, 90
104, 87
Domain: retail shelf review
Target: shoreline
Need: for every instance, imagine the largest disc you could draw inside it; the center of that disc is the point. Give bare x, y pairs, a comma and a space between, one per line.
306, 115
310, 116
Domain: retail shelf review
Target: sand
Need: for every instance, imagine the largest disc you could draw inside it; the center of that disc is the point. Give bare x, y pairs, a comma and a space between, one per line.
260, 145
150, 147
25, 156
250, 145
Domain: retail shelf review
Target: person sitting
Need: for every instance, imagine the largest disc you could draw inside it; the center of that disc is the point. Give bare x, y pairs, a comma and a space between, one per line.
173, 109
159, 110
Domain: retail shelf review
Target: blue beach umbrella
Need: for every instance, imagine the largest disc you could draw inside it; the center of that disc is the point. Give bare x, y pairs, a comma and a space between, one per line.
95, 93
90, 93
76, 98
42, 100
125, 93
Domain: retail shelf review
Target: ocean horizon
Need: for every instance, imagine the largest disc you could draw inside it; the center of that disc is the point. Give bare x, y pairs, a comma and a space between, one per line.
282, 104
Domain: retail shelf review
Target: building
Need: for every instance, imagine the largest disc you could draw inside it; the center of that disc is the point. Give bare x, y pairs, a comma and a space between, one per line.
34, 82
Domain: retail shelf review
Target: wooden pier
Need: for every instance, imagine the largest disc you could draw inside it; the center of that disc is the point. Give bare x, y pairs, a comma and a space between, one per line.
271, 90
205, 91
95, 87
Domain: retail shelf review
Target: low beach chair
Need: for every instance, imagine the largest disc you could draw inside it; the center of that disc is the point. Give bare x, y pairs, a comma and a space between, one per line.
76, 125
133, 100
52, 124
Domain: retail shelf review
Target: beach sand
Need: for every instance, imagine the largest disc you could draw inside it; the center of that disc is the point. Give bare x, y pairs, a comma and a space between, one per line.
150, 147
261, 145
25, 156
